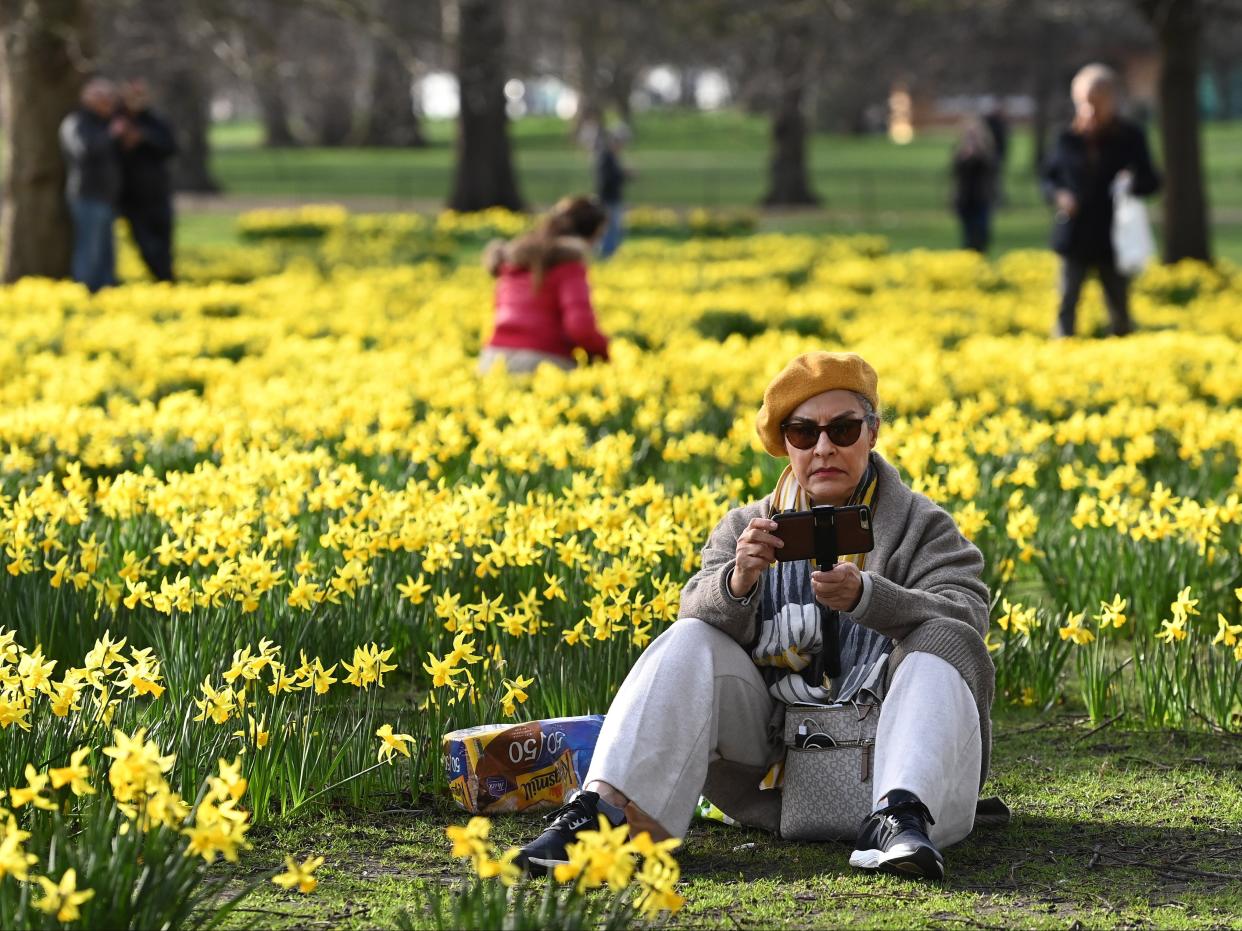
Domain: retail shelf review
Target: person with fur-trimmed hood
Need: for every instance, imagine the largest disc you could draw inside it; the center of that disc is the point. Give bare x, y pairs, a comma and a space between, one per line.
543, 300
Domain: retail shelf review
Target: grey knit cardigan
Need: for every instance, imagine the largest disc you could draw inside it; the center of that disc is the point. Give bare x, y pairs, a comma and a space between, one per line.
927, 593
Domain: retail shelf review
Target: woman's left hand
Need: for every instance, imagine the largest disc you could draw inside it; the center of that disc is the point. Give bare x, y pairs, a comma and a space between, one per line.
838, 589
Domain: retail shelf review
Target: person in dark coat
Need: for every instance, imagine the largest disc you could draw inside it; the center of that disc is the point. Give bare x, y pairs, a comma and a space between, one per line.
974, 185
998, 126
88, 141
1098, 150
610, 180
147, 145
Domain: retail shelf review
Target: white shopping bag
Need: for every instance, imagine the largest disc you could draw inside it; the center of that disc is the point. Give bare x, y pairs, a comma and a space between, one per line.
1133, 245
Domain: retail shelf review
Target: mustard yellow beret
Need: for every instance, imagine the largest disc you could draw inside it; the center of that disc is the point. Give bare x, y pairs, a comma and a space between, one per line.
804, 377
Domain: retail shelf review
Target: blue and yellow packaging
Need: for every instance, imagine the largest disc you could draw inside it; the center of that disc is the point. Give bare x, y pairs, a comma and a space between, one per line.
496, 768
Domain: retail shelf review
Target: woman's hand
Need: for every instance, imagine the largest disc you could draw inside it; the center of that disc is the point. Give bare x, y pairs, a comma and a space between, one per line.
838, 589
756, 550
1066, 202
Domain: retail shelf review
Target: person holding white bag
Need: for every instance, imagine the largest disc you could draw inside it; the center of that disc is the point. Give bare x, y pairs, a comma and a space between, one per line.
1098, 165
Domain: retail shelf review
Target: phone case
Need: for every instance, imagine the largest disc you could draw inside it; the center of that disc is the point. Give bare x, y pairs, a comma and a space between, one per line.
797, 530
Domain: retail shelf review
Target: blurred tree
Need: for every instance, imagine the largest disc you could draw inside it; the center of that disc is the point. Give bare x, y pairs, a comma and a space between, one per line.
788, 180
172, 47
1178, 25
584, 43
395, 26
772, 53
260, 26
610, 43
331, 72
46, 56
326, 53
483, 176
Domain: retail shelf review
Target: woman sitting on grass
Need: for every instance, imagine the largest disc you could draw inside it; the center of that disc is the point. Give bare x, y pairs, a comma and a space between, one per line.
543, 301
700, 712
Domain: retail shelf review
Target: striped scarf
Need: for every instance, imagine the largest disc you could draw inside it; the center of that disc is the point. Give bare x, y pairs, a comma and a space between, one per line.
789, 633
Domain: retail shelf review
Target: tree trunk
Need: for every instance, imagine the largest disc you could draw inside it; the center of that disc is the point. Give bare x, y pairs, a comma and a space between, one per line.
186, 97
263, 25
391, 120
273, 110
686, 96
1178, 27
40, 78
584, 53
1222, 71
484, 175
1043, 91
621, 89
788, 182
333, 119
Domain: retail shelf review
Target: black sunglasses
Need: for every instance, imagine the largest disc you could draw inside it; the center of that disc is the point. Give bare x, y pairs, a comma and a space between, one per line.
804, 434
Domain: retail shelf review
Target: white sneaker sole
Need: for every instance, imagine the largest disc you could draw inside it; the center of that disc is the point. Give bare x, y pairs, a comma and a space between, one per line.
545, 863
900, 860
866, 859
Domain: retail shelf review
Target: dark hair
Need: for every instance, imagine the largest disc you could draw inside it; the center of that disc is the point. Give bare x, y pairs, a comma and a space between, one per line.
555, 239
580, 216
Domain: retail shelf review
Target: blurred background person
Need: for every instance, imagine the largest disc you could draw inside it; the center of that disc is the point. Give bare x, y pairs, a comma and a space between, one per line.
610, 180
146, 200
1097, 149
997, 123
543, 300
88, 141
974, 184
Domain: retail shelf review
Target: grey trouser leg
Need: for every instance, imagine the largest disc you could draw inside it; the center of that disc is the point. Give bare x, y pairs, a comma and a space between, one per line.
693, 712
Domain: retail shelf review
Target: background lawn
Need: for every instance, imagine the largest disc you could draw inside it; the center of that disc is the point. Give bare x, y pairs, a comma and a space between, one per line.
867, 184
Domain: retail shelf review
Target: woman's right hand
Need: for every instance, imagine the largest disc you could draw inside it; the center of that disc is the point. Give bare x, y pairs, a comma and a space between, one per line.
756, 550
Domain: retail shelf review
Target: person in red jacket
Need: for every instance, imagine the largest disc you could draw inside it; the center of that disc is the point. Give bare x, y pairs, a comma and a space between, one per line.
543, 301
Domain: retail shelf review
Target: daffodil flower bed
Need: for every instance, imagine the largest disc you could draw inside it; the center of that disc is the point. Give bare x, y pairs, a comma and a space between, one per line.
130, 850
229, 509
603, 859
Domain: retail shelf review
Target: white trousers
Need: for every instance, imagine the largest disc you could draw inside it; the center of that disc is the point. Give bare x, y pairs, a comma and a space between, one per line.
694, 717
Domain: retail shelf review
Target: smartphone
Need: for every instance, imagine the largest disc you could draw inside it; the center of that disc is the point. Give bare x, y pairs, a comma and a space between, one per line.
797, 530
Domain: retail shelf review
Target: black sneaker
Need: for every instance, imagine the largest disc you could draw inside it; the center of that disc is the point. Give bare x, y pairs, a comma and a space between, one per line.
894, 839
580, 814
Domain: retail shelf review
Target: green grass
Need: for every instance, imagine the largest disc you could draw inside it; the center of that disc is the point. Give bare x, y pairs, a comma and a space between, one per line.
205, 228
867, 184
1112, 828
686, 159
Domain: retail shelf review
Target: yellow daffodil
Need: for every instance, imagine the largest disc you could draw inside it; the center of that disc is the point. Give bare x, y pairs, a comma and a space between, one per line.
469, 840
1073, 629
63, 898
1226, 633
1113, 612
14, 861
515, 694
75, 775
31, 793
414, 590
299, 875
392, 743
